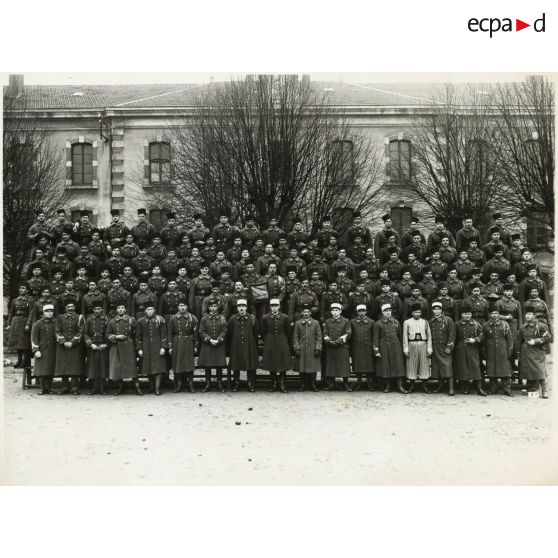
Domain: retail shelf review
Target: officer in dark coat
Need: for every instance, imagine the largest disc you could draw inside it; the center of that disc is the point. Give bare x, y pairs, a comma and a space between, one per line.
362, 350
43, 344
498, 349
336, 335
213, 334
276, 334
183, 344
19, 327
243, 345
443, 342
307, 346
96, 341
151, 344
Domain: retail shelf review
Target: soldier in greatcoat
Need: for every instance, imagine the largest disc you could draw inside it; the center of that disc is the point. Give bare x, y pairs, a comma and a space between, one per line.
307, 346
43, 345
121, 332
388, 349
533, 337
509, 310
243, 345
92, 297
213, 335
117, 296
96, 341
69, 353
19, 327
276, 334
199, 289
183, 344
169, 301
336, 335
362, 349
466, 360
442, 328
151, 345
417, 347
142, 299
498, 349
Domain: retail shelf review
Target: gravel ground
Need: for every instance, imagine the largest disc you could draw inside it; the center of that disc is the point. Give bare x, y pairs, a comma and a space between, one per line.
262, 438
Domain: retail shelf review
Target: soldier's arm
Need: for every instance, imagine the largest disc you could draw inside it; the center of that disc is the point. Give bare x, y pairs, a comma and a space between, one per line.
139, 336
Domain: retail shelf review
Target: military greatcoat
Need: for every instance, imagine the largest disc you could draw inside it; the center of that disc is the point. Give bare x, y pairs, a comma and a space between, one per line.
212, 327
337, 349
95, 333
276, 332
183, 339
69, 328
443, 342
122, 355
532, 359
243, 342
387, 337
307, 340
498, 348
151, 337
362, 349
18, 319
43, 339
466, 359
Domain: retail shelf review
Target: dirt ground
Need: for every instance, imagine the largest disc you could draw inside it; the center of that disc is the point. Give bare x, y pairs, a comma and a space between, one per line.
262, 438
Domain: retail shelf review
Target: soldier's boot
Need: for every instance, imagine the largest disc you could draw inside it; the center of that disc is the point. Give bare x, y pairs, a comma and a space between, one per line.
191, 387
493, 386
283, 382
387, 385
273, 386
48, 385
346, 384
102, 386
75, 385
323, 379
369, 382
150, 385
207, 385
358, 384
19, 363
506, 384
177, 383
158, 379
137, 386
480, 390
425, 386
329, 384
439, 386
401, 388
236, 381
451, 390
229, 383
252, 380
466, 387
119, 387
220, 384
42, 383
27, 377
544, 389
313, 383
301, 381
94, 387
65, 386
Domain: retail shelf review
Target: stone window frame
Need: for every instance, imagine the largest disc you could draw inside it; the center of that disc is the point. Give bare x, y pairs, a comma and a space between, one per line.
399, 137
94, 145
160, 138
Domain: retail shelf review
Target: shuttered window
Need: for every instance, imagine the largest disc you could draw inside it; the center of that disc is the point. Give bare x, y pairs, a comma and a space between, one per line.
82, 164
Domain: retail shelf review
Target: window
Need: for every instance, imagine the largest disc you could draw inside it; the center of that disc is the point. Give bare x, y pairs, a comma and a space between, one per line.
399, 160
159, 163
82, 164
538, 232
158, 218
481, 165
401, 218
342, 163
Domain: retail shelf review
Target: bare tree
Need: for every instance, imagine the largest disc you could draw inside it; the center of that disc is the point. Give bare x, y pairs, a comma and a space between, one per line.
454, 169
525, 147
33, 179
271, 146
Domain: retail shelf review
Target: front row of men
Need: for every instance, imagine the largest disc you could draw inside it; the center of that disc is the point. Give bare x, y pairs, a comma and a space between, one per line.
122, 347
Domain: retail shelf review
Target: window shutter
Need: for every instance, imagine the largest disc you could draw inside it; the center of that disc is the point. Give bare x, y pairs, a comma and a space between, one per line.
146, 160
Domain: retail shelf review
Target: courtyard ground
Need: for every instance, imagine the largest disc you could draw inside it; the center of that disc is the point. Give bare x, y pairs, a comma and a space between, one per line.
262, 438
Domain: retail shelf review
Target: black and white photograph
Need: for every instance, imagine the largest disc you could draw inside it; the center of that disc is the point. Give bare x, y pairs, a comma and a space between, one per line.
278, 279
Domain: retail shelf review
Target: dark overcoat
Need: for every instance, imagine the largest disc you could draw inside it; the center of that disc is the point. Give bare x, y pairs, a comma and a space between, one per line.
20, 331
183, 339
243, 342
387, 337
511, 307
466, 357
122, 355
69, 328
498, 348
212, 327
443, 343
337, 350
307, 339
276, 333
43, 339
362, 348
95, 333
532, 358
151, 337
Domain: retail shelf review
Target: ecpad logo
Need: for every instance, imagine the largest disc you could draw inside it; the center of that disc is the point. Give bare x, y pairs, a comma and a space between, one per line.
492, 25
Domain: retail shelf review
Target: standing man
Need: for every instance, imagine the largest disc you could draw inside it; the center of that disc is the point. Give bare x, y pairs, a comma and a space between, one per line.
144, 231
337, 332
199, 289
498, 348
199, 233
213, 335
380, 238
121, 331
466, 234
69, 355
250, 232
362, 349
504, 237
272, 233
417, 347
243, 345
18, 324
358, 229
116, 232
443, 342
170, 233
276, 333
43, 344
183, 342
39, 227
96, 341
307, 345
509, 310
439, 232
151, 344
223, 232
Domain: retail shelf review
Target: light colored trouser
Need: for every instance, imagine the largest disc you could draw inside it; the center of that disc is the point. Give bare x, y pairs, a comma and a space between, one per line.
418, 363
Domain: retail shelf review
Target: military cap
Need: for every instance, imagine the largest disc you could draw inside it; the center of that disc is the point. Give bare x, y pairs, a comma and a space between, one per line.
516, 236
493, 230
48, 307
507, 287
114, 212
531, 266
439, 219
197, 216
436, 305
466, 308
335, 305
274, 302
386, 306
171, 215
61, 211
361, 307
386, 217
356, 214
39, 211
416, 306
142, 211
497, 215
241, 302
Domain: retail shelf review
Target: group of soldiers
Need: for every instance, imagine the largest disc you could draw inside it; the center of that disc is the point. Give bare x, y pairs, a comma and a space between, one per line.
122, 302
